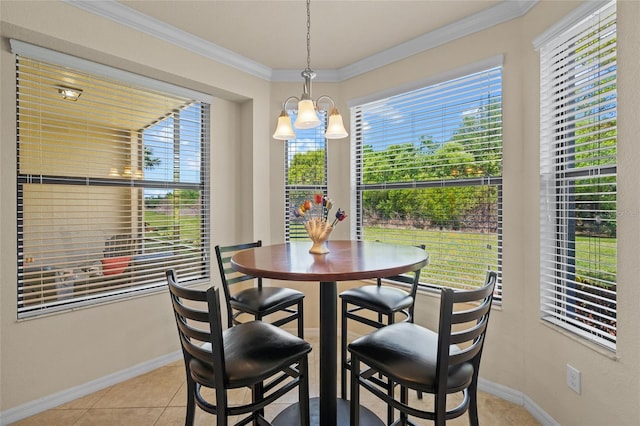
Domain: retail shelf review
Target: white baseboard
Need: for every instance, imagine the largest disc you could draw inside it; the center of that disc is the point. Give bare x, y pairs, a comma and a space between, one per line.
518, 398
34, 407
31, 408
501, 391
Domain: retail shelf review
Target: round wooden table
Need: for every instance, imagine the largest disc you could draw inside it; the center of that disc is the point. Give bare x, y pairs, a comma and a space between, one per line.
346, 260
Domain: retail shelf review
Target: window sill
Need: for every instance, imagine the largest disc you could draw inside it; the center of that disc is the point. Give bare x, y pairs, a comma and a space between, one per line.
581, 338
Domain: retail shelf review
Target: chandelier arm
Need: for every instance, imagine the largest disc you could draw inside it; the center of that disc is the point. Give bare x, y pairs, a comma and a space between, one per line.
289, 99
323, 98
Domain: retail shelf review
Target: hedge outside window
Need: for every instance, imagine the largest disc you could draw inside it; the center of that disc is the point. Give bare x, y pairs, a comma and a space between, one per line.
428, 170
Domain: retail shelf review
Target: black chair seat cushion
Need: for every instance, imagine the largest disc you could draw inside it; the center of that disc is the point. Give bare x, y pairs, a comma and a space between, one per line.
407, 353
253, 351
383, 299
256, 300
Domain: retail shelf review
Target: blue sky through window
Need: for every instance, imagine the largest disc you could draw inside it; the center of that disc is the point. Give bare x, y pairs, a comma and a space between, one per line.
160, 145
432, 113
306, 139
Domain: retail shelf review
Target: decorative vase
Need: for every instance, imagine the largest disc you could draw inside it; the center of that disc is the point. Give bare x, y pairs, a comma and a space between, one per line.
115, 265
319, 231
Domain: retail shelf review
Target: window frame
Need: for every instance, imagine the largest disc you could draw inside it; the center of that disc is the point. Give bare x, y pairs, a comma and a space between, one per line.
77, 283
583, 303
294, 230
485, 180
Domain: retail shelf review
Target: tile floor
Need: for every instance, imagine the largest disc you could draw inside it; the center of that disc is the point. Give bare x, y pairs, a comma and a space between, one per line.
158, 398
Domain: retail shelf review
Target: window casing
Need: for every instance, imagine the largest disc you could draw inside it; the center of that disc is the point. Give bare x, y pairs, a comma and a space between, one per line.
578, 250
305, 173
428, 170
112, 187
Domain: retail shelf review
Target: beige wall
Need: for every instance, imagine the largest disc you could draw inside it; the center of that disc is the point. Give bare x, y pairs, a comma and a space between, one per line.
44, 356
527, 357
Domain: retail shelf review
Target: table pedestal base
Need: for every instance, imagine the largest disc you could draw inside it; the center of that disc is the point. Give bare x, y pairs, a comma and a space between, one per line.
291, 415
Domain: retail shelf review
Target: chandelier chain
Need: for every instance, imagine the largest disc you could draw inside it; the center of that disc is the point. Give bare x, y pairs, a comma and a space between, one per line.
308, 34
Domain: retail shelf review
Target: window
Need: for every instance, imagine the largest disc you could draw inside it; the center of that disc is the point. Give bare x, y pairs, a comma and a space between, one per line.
428, 170
305, 173
578, 177
112, 185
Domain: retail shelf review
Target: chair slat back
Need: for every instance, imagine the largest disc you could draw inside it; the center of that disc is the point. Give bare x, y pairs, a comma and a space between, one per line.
464, 316
230, 276
198, 319
411, 278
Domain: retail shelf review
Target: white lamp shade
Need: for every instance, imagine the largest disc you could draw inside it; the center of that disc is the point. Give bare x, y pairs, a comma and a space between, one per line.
284, 131
335, 127
307, 116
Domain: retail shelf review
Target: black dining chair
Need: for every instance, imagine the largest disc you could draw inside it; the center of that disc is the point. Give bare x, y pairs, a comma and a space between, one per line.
439, 363
258, 301
255, 354
385, 301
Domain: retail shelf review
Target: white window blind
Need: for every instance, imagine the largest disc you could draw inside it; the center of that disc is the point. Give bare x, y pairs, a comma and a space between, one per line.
305, 173
578, 248
112, 187
428, 170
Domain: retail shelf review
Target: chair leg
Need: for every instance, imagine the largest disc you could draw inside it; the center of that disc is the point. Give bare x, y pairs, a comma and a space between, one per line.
440, 408
257, 393
390, 392
303, 392
390, 384
354, 406
300, 320
473, 404
404, 398
410, 319
343, 353
222, 403
191, 402
235, 316
257, 390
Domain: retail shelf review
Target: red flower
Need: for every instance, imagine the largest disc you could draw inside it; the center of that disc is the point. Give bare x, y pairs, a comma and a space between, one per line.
340, 216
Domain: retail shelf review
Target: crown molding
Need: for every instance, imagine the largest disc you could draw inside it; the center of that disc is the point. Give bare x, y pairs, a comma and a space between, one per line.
502, 12
119, 13
579, 13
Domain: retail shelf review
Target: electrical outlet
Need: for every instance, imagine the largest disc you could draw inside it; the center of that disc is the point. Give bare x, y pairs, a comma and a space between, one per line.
573, 379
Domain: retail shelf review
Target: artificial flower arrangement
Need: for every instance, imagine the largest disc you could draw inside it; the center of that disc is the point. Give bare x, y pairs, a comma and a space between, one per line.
306, 210
316, 220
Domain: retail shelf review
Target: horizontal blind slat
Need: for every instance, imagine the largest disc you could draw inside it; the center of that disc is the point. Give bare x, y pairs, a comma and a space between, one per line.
441, 144
112, 187
578, 179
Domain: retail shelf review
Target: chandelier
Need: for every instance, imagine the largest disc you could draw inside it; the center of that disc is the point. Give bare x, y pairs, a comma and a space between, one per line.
308, 108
